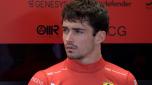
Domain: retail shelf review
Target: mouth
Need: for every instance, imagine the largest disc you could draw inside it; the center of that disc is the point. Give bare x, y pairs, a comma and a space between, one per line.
71, 47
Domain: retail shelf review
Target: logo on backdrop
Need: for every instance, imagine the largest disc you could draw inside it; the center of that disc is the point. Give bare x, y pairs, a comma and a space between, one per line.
46, 3
60, 3
47, 29
117, 31
116, 3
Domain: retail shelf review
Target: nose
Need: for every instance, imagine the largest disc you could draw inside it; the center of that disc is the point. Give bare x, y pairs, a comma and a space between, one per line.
69, 36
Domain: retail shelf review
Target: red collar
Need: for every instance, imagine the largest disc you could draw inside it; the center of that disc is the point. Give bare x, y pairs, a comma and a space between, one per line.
75, 66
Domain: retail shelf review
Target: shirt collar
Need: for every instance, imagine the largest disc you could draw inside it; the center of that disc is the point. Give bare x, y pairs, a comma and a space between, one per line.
85, 68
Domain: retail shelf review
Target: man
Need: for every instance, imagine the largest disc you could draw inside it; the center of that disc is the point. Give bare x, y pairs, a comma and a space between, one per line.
85, 24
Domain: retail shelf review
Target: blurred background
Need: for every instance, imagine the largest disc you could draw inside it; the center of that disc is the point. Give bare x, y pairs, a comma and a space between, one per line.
31, 38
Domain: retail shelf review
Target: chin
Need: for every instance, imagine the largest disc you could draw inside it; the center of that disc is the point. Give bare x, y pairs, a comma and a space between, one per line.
75, 57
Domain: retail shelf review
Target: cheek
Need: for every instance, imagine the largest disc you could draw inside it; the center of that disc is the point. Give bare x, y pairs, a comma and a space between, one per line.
85, 44
85, 48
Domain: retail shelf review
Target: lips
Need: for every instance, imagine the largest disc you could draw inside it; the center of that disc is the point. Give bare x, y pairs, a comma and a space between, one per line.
71, 47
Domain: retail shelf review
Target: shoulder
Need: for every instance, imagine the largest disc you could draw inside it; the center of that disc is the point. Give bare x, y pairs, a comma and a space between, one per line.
57, 68
41, 77
119, 74
115, 70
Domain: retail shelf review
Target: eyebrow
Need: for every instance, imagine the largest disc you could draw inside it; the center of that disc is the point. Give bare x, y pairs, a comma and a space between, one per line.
74, 28
64, 27
78, 29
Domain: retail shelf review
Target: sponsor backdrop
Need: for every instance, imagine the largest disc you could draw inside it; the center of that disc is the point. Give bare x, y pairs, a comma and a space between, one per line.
39, 21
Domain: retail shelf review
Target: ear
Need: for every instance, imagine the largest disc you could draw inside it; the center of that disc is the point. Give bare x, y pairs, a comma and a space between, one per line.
100, 37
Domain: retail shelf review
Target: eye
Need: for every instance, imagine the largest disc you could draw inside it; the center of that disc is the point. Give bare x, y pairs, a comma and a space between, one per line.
65, 30
79, 31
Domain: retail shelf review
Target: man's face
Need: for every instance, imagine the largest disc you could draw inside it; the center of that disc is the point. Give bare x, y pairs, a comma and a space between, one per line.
78, 39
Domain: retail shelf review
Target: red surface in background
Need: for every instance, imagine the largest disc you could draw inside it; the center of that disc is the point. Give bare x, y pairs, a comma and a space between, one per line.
19, 21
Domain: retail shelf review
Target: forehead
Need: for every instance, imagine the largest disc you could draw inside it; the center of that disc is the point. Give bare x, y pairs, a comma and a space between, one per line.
77, 24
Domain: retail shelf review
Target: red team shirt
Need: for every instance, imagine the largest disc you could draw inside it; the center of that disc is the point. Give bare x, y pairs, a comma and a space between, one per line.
70, 72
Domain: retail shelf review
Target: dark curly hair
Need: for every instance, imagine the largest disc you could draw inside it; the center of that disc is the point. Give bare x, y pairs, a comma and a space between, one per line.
87, 10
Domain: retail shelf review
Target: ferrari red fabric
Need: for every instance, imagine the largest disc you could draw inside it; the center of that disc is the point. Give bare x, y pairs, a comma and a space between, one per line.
70, 72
